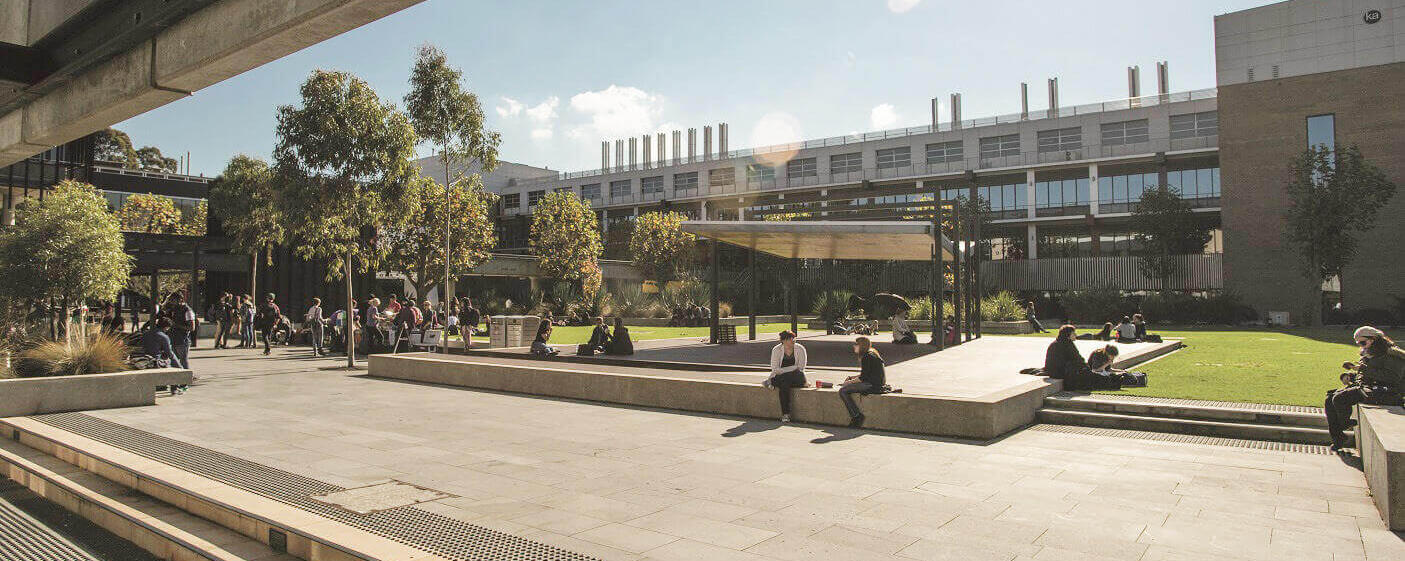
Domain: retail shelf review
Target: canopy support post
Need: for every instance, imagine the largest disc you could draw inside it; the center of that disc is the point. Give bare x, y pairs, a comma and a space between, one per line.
716, 280
937, 295
751, 295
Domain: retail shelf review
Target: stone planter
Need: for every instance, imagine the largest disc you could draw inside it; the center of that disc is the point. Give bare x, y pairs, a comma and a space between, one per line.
34, 396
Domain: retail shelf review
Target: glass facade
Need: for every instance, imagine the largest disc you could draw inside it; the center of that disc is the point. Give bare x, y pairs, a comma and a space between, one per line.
651, 185
944, 152
685, 184
1117, 193
803, 167
1006, 201
1200, 183
1061, 196
590, 192
1059, 140
997, 146
1125, 132
1191, 125
721, 177
1322, 131
889, 158
846, 163
760, 172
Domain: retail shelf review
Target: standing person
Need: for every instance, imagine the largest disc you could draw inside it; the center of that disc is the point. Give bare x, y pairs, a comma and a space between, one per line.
1032, 316
468, 322
117, 321
268, 317
403, 323
1377, 379
870, 380
314, 322
787, 370
182, 320
224, 317
136, 318
247, 315
368, 324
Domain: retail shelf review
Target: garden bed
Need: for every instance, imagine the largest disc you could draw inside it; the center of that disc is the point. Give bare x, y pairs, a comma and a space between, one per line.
57, 394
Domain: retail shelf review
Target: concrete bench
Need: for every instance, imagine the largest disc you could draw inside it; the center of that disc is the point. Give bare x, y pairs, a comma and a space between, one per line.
985, 417
1381, 438
57, 394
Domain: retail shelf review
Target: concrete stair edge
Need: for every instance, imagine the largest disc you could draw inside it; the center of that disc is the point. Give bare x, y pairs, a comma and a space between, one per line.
1189, 412
1246, 431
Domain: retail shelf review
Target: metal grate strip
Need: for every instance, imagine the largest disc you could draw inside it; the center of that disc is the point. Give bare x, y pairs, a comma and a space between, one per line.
1192, 402
1186, 438
22, 538
411, 526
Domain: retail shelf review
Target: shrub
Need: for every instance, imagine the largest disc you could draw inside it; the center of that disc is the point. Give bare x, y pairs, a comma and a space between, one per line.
589, 306
832, 305
1224, 308
97, 354
1172, 307
1095, 305
630, 301
1001, 306
922, 309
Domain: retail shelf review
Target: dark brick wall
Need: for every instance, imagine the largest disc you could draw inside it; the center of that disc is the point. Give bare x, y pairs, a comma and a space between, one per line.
1263, 125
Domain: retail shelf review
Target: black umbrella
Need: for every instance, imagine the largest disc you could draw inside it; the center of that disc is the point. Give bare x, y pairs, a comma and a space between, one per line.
889, 304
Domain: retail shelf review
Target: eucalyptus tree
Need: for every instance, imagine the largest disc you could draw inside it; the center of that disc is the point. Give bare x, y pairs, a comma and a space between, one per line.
244, 199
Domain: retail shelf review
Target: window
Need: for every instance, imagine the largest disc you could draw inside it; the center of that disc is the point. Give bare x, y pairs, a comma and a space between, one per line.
997, 146
845, 163
803, 167
721, 176
1117, 193
1011, 198
1059, 140
511, 201
621, 188
760, 172
1322, 131
534, 197
900, 157
1125, 132
590, 192
685, 184
942, 152
651, 185
1061, 192
1192, 125
1195, 183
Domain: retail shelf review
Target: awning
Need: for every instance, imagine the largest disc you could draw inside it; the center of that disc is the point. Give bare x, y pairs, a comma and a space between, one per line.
826, 239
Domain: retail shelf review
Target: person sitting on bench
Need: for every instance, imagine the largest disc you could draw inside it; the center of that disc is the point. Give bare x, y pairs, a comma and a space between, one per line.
539, 346
902, 332
620, 343
787, 370
1377, 379
1126, 331
870, 380
599, 337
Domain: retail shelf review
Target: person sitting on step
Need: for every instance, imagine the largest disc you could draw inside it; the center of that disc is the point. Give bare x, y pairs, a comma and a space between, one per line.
788, 361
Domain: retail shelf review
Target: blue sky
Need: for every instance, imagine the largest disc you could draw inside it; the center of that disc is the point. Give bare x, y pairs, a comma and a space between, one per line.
556, 78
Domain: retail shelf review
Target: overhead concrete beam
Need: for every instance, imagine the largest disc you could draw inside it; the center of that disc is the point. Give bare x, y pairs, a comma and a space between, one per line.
216, 43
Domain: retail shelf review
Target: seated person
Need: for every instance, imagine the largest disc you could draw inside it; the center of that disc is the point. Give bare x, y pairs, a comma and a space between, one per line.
1377, 379
1062, 361
787, 370
1104, 335
539, 346
620, 343
599, 337
156, 343
902, 332
870, 380
1126, 331
1100, 361
1140, 323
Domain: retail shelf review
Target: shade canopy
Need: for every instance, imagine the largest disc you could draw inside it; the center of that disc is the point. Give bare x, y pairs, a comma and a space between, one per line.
826, 239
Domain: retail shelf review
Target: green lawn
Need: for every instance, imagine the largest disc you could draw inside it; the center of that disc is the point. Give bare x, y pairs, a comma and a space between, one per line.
1287, 366
578, 334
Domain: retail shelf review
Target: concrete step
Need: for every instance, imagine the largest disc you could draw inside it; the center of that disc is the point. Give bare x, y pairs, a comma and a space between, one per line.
1223, 429
162, 530
1308, 417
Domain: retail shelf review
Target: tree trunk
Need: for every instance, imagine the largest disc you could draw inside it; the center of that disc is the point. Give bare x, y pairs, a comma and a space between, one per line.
349, 315
254, 277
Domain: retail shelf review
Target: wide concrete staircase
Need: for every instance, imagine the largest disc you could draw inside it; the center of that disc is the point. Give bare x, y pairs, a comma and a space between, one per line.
1245, 421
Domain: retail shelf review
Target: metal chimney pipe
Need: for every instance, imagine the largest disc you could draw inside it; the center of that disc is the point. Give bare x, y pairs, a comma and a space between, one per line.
647, 158
955, 111
604, 155
1024, 101
935, 113
661, 160
619, 154
1053, 97
723, 131
1134, 81
633, 152
1163, 78
707, 143
692, 145
677, 146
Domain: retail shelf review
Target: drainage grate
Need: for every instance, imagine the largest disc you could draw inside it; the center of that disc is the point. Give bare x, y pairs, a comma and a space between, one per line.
1187, 439
22, 538
1191, 402
421, 529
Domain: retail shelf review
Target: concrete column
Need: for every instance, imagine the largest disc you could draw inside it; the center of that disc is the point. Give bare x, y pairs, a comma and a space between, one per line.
1093, 189
1029, 193
1033, 243
702, 209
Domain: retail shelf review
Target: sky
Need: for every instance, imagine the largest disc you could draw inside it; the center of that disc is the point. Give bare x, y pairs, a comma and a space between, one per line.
558, 77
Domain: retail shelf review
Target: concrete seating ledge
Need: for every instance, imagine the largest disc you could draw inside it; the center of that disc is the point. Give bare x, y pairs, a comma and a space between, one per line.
983, 418
1381, 438
58, 394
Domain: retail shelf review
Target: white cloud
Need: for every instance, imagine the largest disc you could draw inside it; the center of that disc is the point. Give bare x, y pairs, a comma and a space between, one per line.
900, 6
883, 116
617, 112
777, 127
542, 134
511, 109
544, 112
850, 59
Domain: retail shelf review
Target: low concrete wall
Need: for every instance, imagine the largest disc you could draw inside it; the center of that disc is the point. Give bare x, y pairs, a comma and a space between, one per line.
34, 396
981, 418
729, 320
1381, 438
1006, 327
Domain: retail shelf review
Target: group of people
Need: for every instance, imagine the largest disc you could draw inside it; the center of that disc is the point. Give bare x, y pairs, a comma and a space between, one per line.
1063, 361
788, 361
1129, 330
602, 340
690, 316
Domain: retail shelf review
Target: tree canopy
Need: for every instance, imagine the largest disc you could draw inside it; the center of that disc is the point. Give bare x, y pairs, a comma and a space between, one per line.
1165, 228
247, 205
660, 246
114, 146
416, 248
149, 214
151, 159
343, 159
448, 116
565, 236
66, 246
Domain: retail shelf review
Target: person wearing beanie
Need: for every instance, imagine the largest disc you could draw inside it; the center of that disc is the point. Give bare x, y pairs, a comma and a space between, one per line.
1376, 379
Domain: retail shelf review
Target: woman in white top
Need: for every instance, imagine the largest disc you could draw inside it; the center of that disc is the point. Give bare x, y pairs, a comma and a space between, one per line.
787, 370
1126, 331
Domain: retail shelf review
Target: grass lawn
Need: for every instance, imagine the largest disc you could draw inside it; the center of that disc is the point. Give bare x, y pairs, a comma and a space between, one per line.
1283, 366
579, 334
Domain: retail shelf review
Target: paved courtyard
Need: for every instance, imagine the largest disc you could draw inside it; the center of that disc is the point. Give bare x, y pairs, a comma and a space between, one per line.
626, 483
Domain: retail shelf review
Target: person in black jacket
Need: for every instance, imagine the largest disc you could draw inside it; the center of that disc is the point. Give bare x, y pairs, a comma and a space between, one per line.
1062, 361
620, 343
599, 337
870, 380
1377, 379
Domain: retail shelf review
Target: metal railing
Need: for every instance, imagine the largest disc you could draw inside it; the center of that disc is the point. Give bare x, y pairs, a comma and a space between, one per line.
1196, 272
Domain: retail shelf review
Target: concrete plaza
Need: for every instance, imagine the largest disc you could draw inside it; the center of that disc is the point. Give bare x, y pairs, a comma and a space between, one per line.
628, 483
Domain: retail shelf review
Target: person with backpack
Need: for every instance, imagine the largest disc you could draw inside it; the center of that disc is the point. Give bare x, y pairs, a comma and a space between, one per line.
247, 313
182, 320
315, 321
268, 317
